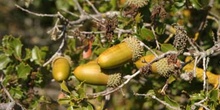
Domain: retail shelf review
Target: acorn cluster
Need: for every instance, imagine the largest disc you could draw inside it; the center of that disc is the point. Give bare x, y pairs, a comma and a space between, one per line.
99, 71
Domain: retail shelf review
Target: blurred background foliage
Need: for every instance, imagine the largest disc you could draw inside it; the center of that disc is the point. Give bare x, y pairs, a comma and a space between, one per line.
26, 46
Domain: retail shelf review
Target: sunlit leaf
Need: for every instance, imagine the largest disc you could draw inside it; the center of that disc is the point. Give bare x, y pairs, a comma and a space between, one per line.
99, 50
197, 96
151, 92
4, 60
167, 47
35, 54
160, 29
38, 54
28, 54
23, 70
171, 79
138, 18
64, 101
17, 48
16, 92
12, 45
64, 87
146, 34
70, 108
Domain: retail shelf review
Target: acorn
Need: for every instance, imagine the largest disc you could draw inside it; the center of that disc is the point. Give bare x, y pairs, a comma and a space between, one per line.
61, 67
91, 73
212, 78
162, 66
129, 49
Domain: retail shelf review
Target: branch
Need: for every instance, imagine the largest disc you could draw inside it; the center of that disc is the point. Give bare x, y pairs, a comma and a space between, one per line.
79, 7
201, 105
36, 14
161, 101
57, 53
107, 92
93, 7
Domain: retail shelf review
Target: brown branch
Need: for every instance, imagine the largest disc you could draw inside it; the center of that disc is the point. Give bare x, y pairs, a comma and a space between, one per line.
36, 14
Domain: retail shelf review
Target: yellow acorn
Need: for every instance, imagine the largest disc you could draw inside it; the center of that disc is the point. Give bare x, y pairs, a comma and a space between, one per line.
162, 67
61, 68
120, 54
91, 73
212, 78
144, 60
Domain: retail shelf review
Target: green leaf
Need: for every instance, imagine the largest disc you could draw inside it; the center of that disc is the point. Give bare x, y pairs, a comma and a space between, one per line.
64, 87
160, 29
199, 4
151, 92
64, 101
4, 60
28, 54
89, 107
70, 108
146, 34
17, 48
38, 55
99, 50
214, 95
171, 79
138, 18
167, 47
171, 102
197, 96
23, 70
13, 46
16, 92
9, 69
64, 5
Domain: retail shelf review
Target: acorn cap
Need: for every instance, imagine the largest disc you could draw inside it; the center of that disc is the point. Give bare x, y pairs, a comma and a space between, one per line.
163, 67
114, 80
64, 57
137, 3
134, 45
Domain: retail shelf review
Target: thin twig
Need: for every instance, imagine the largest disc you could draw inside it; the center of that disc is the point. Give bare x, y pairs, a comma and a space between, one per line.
73, 14
148, 48
205, 62
93, 7
104, 93
161, 101
79, 7
57, 53
36, 14
201, 105
155, 36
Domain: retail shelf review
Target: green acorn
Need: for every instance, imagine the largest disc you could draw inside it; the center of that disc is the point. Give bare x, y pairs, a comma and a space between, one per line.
129, 49
61, 67
91, 73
